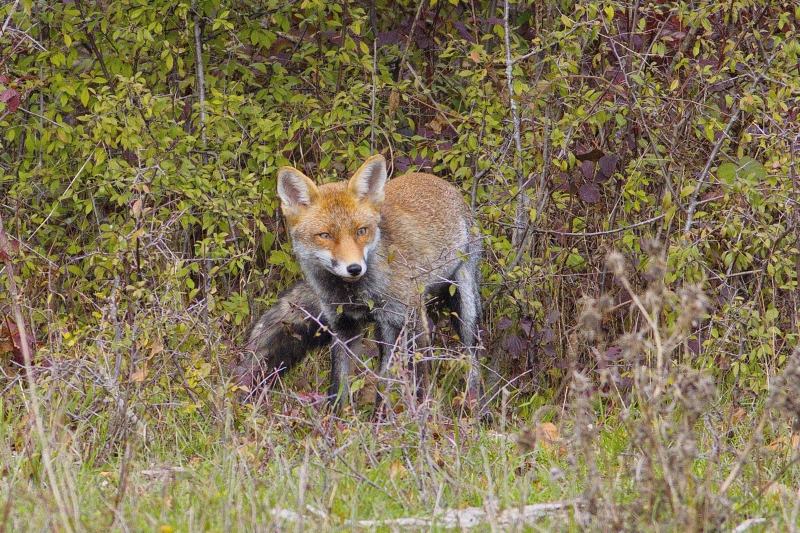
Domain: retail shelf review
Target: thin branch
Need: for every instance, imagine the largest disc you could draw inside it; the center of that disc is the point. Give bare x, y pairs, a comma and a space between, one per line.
522, 200
93, 46
374, 76
598, 233
693, 201
10, 14
201, 80
510, 81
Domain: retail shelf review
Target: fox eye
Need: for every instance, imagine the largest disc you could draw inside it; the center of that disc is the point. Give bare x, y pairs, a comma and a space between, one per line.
324, 235
362, 231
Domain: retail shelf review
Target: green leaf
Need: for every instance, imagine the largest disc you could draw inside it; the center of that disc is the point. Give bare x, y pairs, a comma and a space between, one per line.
727, 172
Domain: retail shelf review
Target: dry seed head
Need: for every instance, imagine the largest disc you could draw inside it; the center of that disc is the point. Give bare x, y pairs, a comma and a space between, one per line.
615, 262
580, 382
590, 319
696, 391
694, 303
656, 270
632, 347
653, 248
682, 452
652, 300
605, 304
785, 391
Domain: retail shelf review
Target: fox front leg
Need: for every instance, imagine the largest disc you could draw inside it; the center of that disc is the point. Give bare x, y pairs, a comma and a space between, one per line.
347, 341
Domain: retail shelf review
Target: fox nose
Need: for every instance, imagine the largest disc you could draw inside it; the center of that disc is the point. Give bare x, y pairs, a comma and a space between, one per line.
354, 269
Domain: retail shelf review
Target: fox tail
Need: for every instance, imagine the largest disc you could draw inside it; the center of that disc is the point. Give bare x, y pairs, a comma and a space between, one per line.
282, 337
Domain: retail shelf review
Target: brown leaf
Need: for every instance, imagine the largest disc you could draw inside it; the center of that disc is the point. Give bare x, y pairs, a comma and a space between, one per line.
547, 434
156, 348
592, 155
395, 469
139, 375
394, 102
515, 345
438, 124
785, 442
503, 323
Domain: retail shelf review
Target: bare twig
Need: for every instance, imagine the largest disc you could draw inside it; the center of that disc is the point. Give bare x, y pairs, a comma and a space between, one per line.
201, 80
463, 519
693, 201
598, 233
93, 46
747, 524
520, 218
374, 87
10, 14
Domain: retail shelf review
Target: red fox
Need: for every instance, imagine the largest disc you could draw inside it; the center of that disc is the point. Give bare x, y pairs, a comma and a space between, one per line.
371, 251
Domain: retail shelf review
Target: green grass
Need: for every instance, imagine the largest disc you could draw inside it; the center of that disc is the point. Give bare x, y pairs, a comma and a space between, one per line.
230, 470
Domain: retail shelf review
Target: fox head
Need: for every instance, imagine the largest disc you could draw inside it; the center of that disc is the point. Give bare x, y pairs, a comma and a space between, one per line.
334, 225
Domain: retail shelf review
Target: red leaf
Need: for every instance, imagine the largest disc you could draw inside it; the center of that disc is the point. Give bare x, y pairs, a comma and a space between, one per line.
4, 79
11, 97
503, 323
587, 169
608, 164
515, 345
589, 193
13, 340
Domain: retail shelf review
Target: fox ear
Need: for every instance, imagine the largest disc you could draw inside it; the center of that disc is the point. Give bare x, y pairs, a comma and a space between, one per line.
368, 181
295, 188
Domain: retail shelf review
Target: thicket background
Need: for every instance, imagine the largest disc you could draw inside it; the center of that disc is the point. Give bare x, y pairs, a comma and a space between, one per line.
140, 141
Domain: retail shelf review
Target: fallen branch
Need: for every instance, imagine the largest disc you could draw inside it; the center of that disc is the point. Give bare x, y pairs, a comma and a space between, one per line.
466, 518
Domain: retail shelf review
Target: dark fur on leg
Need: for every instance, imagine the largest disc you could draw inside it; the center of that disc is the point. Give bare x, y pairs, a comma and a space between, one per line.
282, 336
